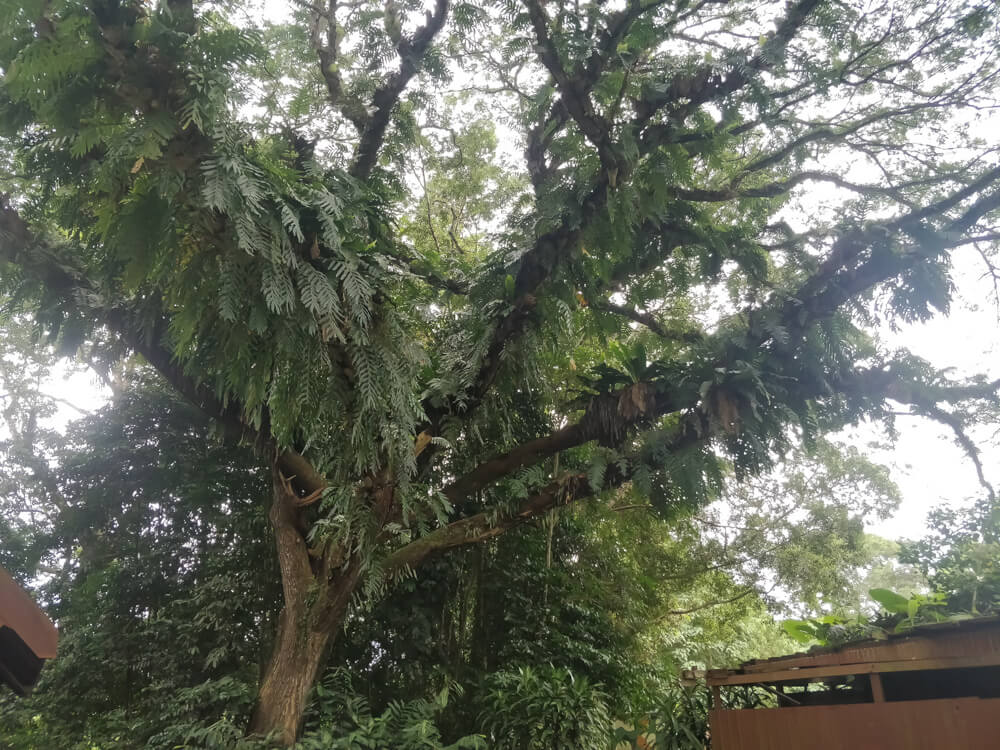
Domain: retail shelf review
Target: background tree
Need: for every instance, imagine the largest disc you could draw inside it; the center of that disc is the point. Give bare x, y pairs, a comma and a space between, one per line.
29, 495
160, 574
961, 555
650, 313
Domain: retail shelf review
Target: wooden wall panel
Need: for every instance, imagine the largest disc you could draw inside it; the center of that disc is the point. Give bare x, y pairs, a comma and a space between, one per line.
963, 724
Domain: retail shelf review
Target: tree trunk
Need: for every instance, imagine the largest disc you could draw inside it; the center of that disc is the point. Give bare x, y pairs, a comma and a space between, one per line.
316, 594
291, 671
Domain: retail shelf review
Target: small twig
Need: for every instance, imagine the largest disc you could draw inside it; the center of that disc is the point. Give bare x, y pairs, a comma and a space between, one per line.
296, 501
646, 319
708, 605
64, 402
301, 502
971, 450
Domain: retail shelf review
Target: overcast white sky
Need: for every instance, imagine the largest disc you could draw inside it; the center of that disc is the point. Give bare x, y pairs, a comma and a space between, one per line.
927, 464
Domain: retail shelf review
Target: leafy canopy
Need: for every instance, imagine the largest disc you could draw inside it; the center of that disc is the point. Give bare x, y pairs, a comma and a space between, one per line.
450, 267
185, 182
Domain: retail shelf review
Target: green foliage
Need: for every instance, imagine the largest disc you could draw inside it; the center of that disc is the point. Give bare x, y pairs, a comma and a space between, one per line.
801, 527
341, 719
319, 229
544, 707
961, 555
918, 609
892, 602
164, 185
589, 599
679, 722
27, 448
163, 594
832, 630
575, 605
899, 613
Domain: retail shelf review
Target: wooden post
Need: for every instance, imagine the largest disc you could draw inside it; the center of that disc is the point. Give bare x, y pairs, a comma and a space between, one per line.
716, 697
878, 693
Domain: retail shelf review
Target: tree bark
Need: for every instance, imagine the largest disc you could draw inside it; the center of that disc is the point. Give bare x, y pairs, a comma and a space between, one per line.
316, 599
291, 671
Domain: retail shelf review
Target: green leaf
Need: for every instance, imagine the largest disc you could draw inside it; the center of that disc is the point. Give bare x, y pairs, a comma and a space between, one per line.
802, 631
890, 601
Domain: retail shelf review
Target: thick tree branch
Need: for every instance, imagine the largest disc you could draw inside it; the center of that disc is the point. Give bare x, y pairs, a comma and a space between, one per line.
555, 246
835, 282
488, 524
552, 248
19, 246
649, 321
688, 91
328, 52
411, 52
575, 91
422, 270
575, 86
563, 490
782, 187
841, 276
607, 418
536, 267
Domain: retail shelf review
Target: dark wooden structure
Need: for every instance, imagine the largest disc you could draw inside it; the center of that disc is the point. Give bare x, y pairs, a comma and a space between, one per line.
934, 687
27, 637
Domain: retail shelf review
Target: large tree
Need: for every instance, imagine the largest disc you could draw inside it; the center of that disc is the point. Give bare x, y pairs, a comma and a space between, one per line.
148, 544
314, 231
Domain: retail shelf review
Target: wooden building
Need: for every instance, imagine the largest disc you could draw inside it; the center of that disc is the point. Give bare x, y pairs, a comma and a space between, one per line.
27, 637
934, 687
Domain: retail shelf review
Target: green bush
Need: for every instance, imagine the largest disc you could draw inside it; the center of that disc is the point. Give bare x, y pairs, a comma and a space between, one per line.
341, 719
536, 709
680, 721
